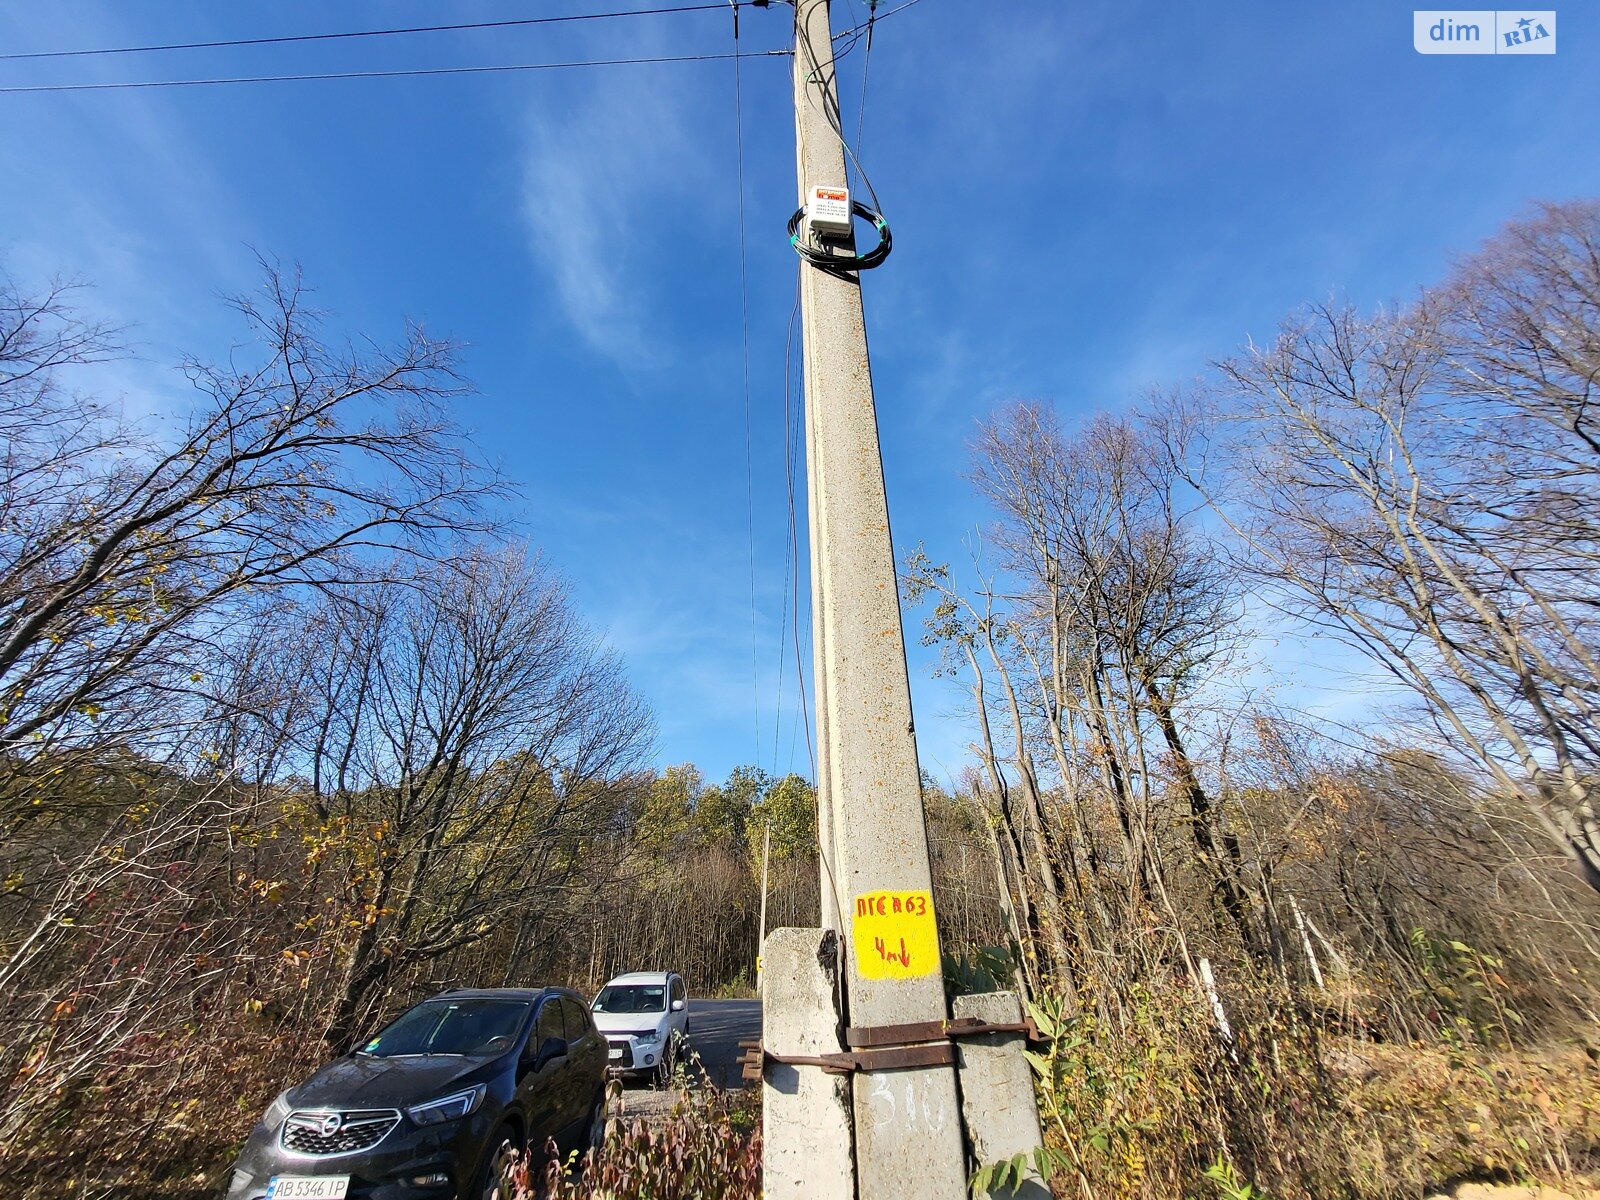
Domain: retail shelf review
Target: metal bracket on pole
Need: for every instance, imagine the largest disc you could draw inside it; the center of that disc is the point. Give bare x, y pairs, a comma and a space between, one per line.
885, 1058
860, 1037
887, 1047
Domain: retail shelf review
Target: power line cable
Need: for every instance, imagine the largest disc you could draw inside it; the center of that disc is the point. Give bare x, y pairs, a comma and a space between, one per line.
828, 79
398, 74
866, 67
830, 112
791, 544
744, 343
359, 33
856, 30
793, 416
799, 661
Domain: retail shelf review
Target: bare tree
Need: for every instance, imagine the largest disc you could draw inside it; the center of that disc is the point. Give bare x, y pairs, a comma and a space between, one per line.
1425, 484
122, 554
1027, 871
147, 585
1131, 607
467, 731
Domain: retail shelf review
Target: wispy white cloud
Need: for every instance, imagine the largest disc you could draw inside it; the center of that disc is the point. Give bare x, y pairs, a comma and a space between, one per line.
610, 161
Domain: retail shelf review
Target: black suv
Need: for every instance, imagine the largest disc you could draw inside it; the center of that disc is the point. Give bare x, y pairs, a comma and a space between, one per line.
434, 1105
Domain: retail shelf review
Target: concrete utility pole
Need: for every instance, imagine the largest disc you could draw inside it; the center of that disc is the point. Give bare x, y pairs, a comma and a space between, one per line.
876, 877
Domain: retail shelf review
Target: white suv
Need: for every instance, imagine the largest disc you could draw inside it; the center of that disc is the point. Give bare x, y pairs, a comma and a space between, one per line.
644, 1015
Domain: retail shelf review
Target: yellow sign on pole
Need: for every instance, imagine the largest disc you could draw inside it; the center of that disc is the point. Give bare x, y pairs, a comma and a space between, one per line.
894, 935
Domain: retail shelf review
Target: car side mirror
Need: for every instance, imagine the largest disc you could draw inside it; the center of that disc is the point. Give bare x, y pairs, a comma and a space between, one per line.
550, 1049
678, 1006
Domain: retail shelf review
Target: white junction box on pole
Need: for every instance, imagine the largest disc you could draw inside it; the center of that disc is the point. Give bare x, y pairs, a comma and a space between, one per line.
828, 211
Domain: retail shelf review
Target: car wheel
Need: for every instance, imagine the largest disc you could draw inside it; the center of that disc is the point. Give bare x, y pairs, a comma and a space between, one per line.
594, 1136
494, 1176
669, 1059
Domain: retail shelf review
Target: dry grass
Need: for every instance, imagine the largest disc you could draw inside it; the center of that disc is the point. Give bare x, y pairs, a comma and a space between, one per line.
1144, 1107
1421, 1118
705, 1146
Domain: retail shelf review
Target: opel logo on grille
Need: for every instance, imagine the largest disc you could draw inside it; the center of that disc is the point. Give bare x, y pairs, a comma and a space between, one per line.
330, 1124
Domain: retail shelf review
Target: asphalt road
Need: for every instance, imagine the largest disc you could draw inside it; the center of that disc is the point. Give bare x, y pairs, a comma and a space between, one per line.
716, 1027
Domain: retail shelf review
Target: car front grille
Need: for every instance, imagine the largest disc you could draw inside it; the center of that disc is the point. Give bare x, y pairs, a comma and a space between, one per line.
337, 1132
622, 1043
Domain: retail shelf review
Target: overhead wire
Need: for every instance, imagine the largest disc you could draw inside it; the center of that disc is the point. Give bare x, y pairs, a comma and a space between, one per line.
829, 113
793, 422
856, 30
790, 551
744, 343
828, 257
797, 430
360, 33
842, 44
394, 74
866, 68
846, 41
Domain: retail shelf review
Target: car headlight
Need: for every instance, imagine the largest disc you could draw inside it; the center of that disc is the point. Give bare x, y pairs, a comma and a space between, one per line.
278, 1109
647, 1037
448, 1108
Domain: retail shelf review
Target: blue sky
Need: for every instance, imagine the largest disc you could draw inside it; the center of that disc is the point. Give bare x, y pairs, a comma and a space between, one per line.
1087, 199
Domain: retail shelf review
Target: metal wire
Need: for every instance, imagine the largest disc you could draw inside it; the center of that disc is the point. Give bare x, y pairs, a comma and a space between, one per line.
744, 340
554, 66
358, 33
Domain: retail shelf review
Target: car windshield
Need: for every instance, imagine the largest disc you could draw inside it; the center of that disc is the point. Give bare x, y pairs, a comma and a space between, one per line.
631, 998
465, 1027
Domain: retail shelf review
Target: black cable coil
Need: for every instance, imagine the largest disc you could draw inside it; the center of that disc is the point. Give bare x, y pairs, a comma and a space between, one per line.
840, 263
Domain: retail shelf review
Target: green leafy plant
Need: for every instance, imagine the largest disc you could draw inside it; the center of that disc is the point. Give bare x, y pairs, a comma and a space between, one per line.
1469, 989
1101, 1098
1006, 1176
1229, 1185
980, 969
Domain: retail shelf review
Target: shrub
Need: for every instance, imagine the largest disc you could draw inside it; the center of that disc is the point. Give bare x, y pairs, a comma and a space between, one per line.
704, 1149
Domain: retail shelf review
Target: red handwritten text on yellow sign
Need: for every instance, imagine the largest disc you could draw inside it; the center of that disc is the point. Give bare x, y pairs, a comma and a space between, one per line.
894, 935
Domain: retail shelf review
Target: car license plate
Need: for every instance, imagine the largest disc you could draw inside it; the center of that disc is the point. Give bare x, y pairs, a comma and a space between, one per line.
308, 1187
616, 1052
